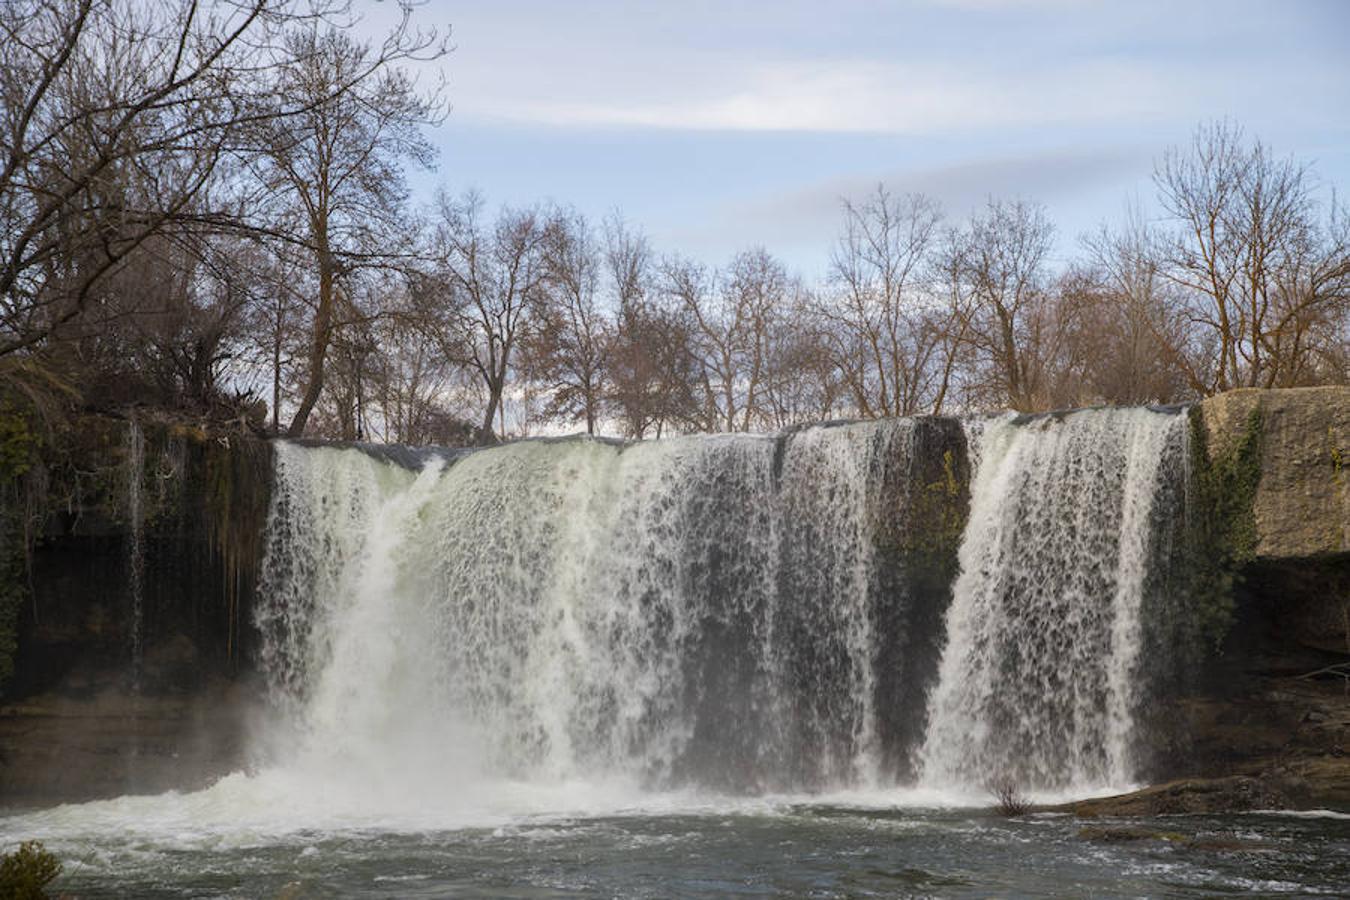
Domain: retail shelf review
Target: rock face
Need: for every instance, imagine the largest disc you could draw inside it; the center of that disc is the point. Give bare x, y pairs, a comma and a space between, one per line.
88, 736
1264, 719
118, 689
1234, 793
1303, 502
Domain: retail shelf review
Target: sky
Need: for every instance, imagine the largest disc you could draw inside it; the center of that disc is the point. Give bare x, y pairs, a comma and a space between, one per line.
718, 126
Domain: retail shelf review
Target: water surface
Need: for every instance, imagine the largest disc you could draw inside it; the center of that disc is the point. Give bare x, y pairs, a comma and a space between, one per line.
741, 848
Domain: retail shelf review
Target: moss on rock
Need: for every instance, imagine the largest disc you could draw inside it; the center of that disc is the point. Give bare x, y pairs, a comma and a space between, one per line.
64, 491
19, 448
1220, 527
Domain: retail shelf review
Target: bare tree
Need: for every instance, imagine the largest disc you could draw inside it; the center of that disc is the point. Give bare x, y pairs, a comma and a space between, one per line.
1065, 333
879, 310
730, 314
803, 382
1001, 277
192, 332
276, 323
953, 316
486, 287
1258, 270
653, 372
691, 288
655, 376
334, 167
1146, 351
568, 349
113, 119
755, 291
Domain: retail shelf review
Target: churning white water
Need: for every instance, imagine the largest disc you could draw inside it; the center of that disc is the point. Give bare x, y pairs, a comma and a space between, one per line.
1039, 680
700, 611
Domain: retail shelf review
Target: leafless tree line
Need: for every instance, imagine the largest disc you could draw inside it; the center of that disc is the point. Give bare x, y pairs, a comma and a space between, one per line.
573, 323
182, 179
203, 206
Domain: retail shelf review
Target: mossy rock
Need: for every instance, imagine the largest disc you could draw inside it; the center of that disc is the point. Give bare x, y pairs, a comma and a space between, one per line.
1301, 508
1220, 534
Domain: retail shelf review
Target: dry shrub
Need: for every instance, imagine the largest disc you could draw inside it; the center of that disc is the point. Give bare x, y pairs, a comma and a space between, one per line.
1008, 798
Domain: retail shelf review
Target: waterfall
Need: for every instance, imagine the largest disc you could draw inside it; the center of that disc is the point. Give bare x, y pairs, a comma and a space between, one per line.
135, 478
727, 611
734, 612
1039, 679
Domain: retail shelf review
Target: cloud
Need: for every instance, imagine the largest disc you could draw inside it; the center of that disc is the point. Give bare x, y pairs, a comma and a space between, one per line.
967, 184
806, 220
870, 96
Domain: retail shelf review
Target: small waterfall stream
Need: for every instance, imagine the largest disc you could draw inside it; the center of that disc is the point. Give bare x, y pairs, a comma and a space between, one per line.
135, 486
1039, 680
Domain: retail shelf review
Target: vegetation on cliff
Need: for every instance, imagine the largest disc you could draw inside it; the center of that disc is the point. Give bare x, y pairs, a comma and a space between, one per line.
201, 494
923, 509
1220, 526
18, 450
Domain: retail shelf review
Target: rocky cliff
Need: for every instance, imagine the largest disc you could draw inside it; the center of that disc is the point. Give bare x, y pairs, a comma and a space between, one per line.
1302, 504
130, 671
1263, 718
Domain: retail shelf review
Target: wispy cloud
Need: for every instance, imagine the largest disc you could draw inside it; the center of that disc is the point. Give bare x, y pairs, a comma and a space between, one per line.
959, 186
870, 96
805, 221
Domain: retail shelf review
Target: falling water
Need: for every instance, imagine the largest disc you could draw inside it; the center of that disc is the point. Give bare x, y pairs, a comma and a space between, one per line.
740, 612
135, 476
703, 610
1039, 679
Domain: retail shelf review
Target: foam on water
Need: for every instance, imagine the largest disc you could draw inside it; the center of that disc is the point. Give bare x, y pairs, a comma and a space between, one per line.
289, 806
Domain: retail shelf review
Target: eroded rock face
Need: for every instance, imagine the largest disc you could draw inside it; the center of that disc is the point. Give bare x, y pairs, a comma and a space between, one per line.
98, 706
1265, 718
1303, 502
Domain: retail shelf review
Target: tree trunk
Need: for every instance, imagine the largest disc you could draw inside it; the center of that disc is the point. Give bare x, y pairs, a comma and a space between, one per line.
276, 382
485, 432
322, 335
